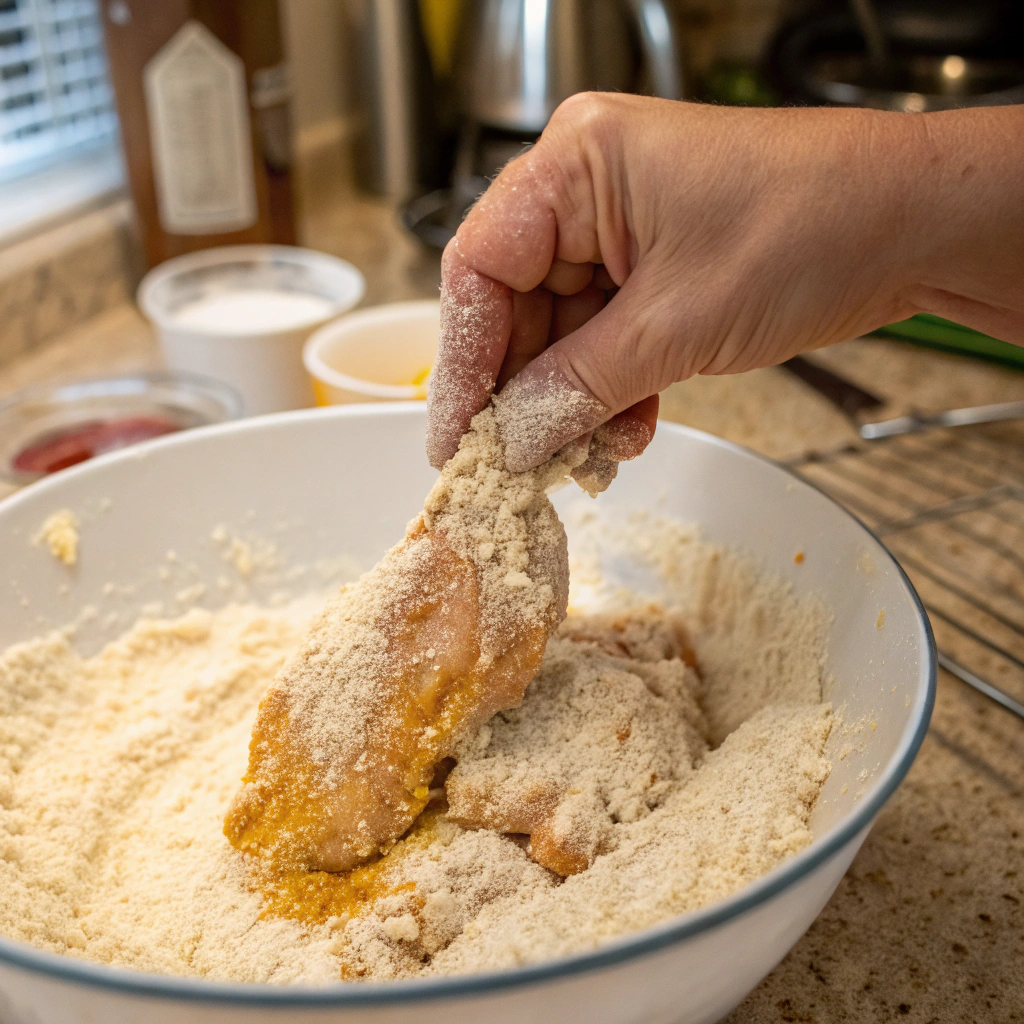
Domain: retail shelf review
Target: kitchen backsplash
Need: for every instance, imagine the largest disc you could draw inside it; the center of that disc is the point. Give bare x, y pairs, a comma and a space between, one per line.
56, 280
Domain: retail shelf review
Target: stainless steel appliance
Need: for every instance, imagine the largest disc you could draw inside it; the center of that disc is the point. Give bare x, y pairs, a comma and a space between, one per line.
399, 152
520, 58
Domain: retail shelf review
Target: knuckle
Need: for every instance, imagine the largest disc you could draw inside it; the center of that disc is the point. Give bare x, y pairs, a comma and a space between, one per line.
451, 258
580, 139
590, 376
585, 113
593, 121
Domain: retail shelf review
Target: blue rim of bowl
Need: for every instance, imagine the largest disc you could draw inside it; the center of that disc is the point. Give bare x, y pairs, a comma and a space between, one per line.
620, 951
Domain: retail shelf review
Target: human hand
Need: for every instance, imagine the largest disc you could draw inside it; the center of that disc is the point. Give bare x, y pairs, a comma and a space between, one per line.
642, 241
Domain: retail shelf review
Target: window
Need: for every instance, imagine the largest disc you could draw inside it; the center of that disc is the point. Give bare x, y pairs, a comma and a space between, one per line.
55, 100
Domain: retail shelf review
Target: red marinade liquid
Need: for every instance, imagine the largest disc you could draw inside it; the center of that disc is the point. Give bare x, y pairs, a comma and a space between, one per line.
64, 448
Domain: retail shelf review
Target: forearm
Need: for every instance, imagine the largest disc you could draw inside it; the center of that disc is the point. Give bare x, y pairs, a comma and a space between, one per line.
969, 256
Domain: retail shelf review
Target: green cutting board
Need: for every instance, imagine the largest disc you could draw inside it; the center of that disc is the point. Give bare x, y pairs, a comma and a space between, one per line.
934, 332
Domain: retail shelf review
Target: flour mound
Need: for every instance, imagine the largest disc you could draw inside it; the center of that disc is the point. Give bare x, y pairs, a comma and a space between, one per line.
116, 771
601, 738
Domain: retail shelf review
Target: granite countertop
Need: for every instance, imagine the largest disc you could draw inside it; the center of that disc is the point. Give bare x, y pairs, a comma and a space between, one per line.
928, 924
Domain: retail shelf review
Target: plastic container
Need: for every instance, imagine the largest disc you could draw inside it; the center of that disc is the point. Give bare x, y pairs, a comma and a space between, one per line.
380, 354
49, 427
242, 313
690, 969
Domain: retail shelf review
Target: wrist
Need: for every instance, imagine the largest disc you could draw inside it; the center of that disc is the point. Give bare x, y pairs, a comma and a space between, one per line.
965, 233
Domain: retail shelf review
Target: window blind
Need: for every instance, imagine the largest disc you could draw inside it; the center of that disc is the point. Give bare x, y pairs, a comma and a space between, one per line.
55, 98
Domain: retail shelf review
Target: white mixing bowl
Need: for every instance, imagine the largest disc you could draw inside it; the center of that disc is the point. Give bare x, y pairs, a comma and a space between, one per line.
344, 481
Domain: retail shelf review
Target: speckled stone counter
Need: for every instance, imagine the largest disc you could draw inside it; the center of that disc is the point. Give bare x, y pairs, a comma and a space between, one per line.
928, 924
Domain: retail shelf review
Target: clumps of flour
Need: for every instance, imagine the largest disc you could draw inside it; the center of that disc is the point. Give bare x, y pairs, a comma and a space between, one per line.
606, 731
504, 524
757, 642
59, 533
114, 777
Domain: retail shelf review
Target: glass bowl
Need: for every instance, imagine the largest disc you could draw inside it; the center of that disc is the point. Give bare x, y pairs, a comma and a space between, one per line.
48, 427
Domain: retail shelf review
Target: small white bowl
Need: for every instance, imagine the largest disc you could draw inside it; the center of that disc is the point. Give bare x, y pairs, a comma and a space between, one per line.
270, 298
380, 354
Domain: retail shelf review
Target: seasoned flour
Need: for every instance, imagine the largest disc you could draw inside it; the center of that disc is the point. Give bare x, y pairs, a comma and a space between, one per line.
678, 787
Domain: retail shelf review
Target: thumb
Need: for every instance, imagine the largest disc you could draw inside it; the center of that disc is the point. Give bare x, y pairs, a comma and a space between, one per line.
612, 366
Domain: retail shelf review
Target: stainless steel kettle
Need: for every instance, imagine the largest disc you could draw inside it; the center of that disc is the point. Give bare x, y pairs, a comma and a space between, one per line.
520, 58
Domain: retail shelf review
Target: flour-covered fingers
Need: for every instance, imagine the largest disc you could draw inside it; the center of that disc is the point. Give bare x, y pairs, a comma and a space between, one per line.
613, 359
571, 312
476, 324
531, 332
565, 278
619, 439
543, 408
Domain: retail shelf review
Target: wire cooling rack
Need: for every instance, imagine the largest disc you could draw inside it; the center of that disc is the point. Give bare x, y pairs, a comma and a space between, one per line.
949, 505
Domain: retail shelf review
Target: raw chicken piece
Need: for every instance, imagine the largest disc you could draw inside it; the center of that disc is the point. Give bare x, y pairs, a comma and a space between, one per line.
448, 629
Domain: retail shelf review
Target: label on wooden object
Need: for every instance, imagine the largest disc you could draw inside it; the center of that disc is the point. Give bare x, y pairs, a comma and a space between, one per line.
198, 109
